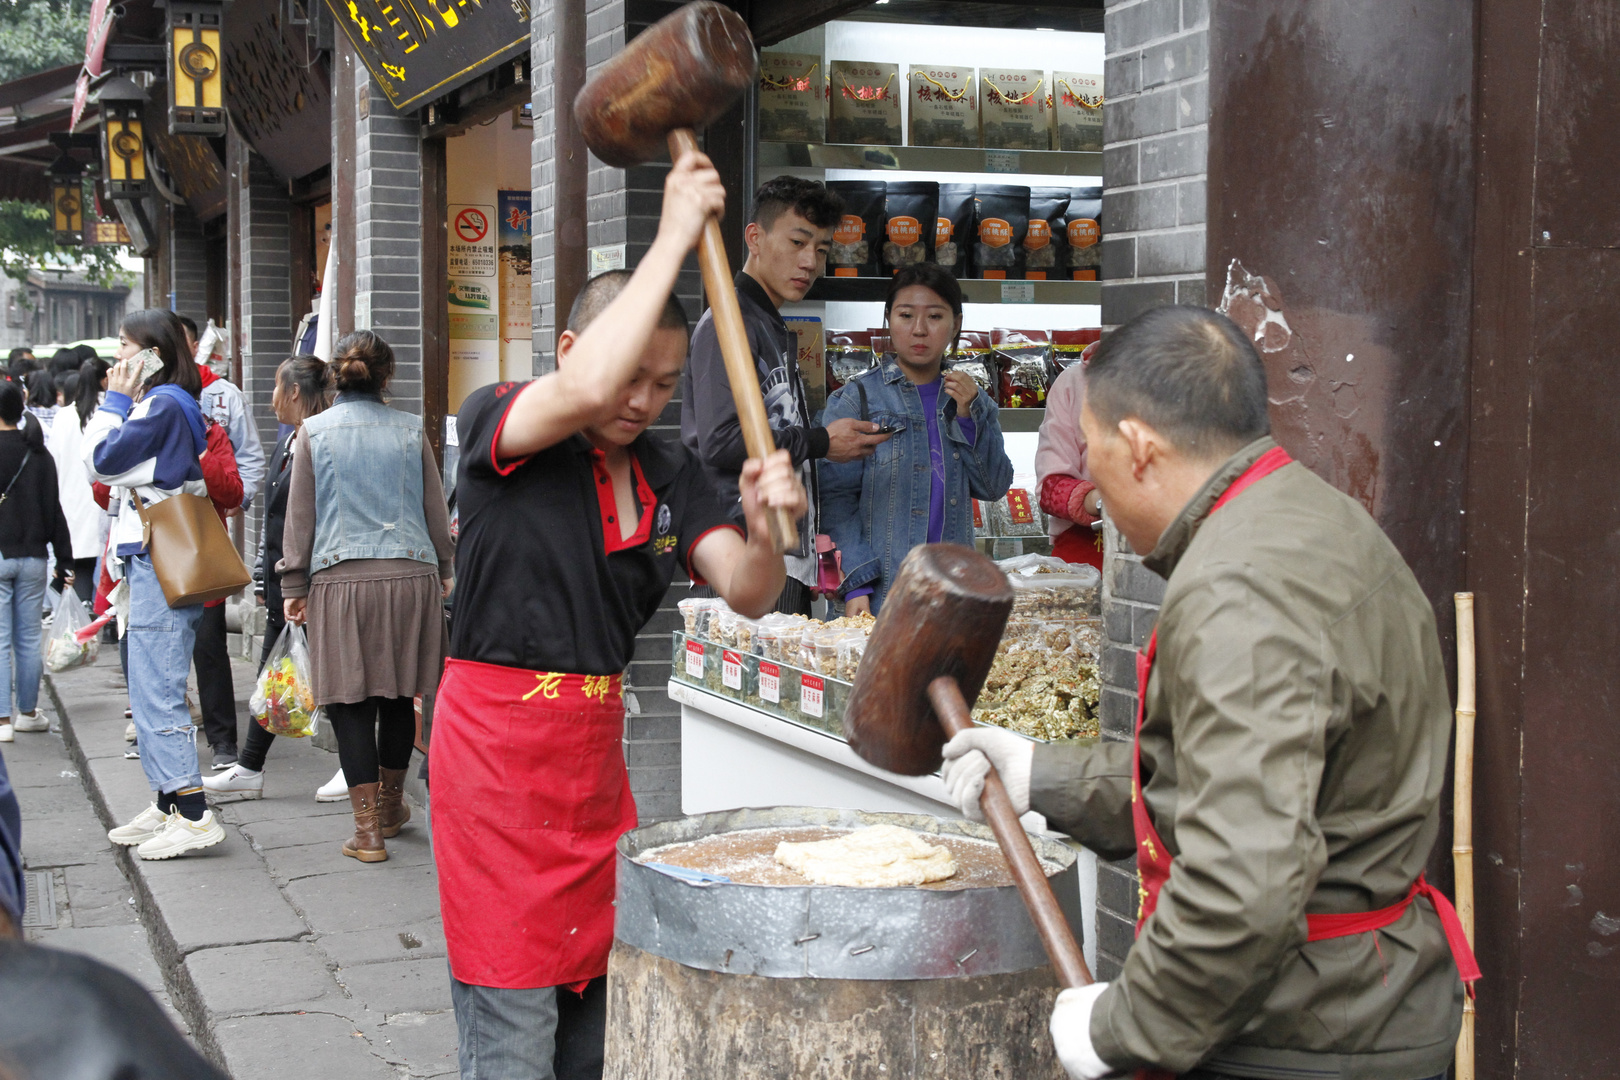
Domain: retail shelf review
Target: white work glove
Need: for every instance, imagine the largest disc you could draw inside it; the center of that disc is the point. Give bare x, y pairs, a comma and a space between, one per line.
1071, 1033
968, 758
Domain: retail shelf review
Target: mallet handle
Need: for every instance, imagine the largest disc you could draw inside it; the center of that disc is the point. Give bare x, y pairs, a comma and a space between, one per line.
1065, 954
739, 358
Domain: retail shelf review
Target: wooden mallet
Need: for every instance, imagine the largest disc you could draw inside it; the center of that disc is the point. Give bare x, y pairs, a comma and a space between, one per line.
930, 651
682, 73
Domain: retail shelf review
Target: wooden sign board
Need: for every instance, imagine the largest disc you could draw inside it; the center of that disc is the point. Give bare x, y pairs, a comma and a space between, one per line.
422, 49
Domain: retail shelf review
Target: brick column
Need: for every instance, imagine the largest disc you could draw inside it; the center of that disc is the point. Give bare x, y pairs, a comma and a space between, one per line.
387, 274
188, 266
1155, 156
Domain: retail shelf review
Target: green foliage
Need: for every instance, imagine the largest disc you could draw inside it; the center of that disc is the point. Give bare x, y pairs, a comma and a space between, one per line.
37, 35
28, 242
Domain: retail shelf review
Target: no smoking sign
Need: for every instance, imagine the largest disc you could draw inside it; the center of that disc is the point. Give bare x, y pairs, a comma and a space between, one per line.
472, 225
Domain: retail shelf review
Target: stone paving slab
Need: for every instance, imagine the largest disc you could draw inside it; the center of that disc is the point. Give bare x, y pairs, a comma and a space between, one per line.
291, 959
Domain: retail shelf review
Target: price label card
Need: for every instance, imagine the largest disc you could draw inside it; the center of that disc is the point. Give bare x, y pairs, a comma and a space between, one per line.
1017, 292
811, 691
730, 670
770, 683
1001, 161
694, 660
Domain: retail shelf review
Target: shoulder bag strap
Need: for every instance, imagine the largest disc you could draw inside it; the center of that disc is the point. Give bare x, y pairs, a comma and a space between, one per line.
6, 494
860, 388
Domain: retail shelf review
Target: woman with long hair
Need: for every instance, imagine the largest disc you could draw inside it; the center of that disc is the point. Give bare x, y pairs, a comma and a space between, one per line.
146, 440
918, 487
303, 388
367, 560
87, 521
30, 518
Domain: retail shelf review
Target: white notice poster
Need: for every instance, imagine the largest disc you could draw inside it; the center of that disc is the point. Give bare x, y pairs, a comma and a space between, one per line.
475, 334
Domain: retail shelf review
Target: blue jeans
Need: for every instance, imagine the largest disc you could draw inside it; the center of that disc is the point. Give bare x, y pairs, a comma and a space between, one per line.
22, 596
544, 1033
160, 643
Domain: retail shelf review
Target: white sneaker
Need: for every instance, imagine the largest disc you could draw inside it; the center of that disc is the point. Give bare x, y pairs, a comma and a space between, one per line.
334, 790
179, 834
141, 828
31, 722
130, 733
236, 780
6, 736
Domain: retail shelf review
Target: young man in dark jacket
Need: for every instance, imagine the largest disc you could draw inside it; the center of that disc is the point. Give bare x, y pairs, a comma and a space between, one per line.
1283, 793
789, 232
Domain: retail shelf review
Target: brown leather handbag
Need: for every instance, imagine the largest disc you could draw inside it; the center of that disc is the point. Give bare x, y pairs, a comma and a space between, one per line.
191, 552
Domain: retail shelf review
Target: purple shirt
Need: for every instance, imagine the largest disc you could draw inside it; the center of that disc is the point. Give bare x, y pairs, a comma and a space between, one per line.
929, 392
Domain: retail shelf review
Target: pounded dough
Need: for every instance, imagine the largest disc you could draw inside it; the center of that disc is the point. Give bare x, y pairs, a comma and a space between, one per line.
881, 856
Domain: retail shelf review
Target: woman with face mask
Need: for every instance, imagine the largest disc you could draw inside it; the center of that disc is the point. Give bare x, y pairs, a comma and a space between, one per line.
919, 486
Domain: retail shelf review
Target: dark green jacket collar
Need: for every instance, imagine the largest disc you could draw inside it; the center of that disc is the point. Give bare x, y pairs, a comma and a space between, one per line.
1173, 543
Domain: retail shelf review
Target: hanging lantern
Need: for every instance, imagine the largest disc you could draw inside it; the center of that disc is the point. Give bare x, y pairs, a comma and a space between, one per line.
67, 200
123, 146
196, 78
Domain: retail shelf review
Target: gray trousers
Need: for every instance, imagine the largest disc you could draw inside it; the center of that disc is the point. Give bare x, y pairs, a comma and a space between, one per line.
544, 1033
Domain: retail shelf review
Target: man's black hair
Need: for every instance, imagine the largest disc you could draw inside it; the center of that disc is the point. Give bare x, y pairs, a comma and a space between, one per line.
604, 288
810, 199
189, 323
19, 353
1189, 373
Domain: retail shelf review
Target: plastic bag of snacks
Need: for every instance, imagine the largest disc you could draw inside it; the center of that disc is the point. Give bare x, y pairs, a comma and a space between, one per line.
1018, 513
65, 651
972, 355
695, 612
283, 700
849, 353
1022, 366
1048, 588
850, 648
1071, 347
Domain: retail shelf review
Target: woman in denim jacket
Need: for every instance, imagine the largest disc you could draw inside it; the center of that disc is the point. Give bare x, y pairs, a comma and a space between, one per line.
366, 547
918, 487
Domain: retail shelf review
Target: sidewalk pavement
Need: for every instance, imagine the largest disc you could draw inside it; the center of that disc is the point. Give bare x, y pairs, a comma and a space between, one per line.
285, 957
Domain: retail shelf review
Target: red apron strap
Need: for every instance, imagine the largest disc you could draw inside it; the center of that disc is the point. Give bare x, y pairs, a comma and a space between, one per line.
1323, 927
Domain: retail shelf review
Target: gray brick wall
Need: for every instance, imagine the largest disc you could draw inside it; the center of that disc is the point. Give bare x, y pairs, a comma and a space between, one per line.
387, 274
187, 252
1155, 157
542, 176
261, 213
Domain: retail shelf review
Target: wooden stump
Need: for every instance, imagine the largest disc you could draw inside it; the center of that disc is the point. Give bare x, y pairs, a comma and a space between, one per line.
667, 1021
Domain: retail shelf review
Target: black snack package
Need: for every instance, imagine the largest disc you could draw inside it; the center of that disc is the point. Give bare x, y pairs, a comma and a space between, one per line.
953, 240
849, 353
972, 355
1084, 218
911, 213
857, 243
1000, 221
1046, 243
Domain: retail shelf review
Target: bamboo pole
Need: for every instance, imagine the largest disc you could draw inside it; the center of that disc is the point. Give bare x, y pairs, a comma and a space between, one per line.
1462, 844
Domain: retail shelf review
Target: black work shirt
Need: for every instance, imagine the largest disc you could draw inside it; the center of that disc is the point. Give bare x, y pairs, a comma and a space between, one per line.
543, 579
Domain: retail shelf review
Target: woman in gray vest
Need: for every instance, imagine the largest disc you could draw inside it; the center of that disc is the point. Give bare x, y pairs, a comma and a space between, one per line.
366, 559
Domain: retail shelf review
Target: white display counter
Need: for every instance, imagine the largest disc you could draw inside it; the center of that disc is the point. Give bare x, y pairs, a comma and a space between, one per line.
735, 756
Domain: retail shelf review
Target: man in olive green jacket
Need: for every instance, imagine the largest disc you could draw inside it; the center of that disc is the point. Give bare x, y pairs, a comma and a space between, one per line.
1292, 752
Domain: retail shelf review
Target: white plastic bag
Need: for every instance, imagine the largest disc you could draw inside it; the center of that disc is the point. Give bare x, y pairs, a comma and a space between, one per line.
64, 651
283, 699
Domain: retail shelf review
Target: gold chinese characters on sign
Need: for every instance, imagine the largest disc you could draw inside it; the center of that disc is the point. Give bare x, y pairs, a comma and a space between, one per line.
420, 49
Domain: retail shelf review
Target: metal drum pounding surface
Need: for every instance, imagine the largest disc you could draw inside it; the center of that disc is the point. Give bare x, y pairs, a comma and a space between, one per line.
824, 932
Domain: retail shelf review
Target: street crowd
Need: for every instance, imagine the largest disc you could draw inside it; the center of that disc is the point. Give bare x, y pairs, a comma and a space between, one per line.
572, 521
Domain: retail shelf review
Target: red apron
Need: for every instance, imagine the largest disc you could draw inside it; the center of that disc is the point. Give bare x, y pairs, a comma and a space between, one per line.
1079, 544
1153, 861
530, 794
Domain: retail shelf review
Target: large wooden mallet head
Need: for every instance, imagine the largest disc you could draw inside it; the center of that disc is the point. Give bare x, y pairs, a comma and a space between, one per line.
943, 616
684, 71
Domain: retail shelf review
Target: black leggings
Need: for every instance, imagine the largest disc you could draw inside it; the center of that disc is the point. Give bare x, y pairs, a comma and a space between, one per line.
372, 733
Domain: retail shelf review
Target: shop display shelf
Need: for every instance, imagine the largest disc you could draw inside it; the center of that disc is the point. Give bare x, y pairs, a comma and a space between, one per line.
804, 697
951, 159
974, 291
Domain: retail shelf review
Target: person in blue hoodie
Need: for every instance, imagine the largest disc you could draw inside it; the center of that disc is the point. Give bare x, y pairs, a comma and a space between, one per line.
146, 439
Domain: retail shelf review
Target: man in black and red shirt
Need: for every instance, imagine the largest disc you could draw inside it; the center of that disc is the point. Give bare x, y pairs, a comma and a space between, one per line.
574, 519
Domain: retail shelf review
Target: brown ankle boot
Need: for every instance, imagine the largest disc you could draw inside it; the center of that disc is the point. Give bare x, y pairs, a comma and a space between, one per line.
392, 813
367, 842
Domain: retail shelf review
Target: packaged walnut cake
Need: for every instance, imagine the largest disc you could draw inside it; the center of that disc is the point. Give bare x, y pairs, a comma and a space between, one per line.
911, 216
864, 106
1077, 111
944, 105
1012, 109
792, 98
